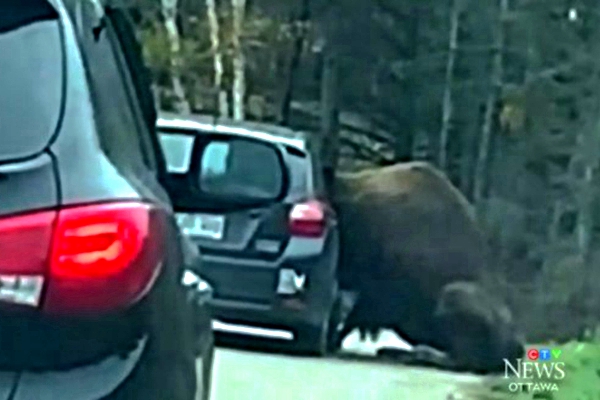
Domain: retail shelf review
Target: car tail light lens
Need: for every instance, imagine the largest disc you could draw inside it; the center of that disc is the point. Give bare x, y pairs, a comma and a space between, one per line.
25, 243
24, 247
93, 258
307, 219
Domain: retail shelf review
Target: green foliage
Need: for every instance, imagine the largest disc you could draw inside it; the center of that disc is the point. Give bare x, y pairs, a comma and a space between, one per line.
156, 50
196, 57
264, 38
393, 56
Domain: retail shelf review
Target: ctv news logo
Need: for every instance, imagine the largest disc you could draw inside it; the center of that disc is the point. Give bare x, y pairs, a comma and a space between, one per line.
539, 372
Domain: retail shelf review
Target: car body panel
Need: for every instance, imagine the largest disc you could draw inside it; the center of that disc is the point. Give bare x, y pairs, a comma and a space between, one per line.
30, 24
28, 185
241, 227
97, 179
257, 278
90, 382
27, 172
73, 168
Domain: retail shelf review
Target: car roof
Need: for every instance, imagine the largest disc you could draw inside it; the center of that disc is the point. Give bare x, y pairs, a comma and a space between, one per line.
250, 129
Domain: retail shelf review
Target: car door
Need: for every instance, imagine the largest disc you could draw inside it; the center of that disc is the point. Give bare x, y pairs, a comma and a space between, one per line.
138, 85
239, 226
243, 238
152, 175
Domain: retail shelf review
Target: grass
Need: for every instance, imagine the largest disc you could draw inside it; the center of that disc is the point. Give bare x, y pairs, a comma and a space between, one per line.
581, 380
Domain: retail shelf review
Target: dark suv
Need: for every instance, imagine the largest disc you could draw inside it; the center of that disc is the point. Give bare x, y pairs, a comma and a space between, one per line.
95, 300
252, 197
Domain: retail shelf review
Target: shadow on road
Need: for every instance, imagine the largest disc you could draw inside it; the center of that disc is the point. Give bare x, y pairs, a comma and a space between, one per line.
285, 347
384, 356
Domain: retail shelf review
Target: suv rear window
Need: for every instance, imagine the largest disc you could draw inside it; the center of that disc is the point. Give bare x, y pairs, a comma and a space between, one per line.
30, 78
241, 168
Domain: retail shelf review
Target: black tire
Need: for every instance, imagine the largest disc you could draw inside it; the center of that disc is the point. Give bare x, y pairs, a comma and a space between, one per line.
320, 340
154, 379
311, 340
335, 327
167, 368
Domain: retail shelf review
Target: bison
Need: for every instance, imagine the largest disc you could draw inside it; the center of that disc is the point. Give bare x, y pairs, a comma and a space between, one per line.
407, 232
479, 328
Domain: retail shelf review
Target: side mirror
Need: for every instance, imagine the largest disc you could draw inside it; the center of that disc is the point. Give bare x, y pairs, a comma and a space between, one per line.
199, 290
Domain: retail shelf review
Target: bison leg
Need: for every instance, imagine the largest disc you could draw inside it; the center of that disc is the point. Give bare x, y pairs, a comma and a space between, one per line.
374, 333
362, 333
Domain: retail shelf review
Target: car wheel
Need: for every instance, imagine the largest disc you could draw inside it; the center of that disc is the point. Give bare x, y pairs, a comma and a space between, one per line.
335, 327
168, 367
320, 340
155, 379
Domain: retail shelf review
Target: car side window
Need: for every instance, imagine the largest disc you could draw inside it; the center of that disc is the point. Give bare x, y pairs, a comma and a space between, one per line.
116, 115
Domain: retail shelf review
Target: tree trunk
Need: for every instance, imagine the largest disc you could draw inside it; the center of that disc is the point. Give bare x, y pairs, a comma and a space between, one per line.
213, 21
447, 105
239, 61
481, 166
409, 87
330, 115
300, 33
169, 11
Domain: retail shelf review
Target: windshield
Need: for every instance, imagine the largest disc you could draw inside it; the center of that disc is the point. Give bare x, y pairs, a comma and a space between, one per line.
30, 77
241, 168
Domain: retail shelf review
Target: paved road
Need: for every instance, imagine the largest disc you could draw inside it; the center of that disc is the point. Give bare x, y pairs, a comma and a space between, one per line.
252, 375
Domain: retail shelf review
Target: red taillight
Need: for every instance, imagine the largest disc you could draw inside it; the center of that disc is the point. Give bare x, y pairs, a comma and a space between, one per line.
103, 256
94, 258
307, 219
98, 241
24, 247
25, 243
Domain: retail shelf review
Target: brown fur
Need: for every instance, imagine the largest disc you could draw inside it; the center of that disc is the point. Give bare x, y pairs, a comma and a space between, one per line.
406, 233
407, 215
479, 328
